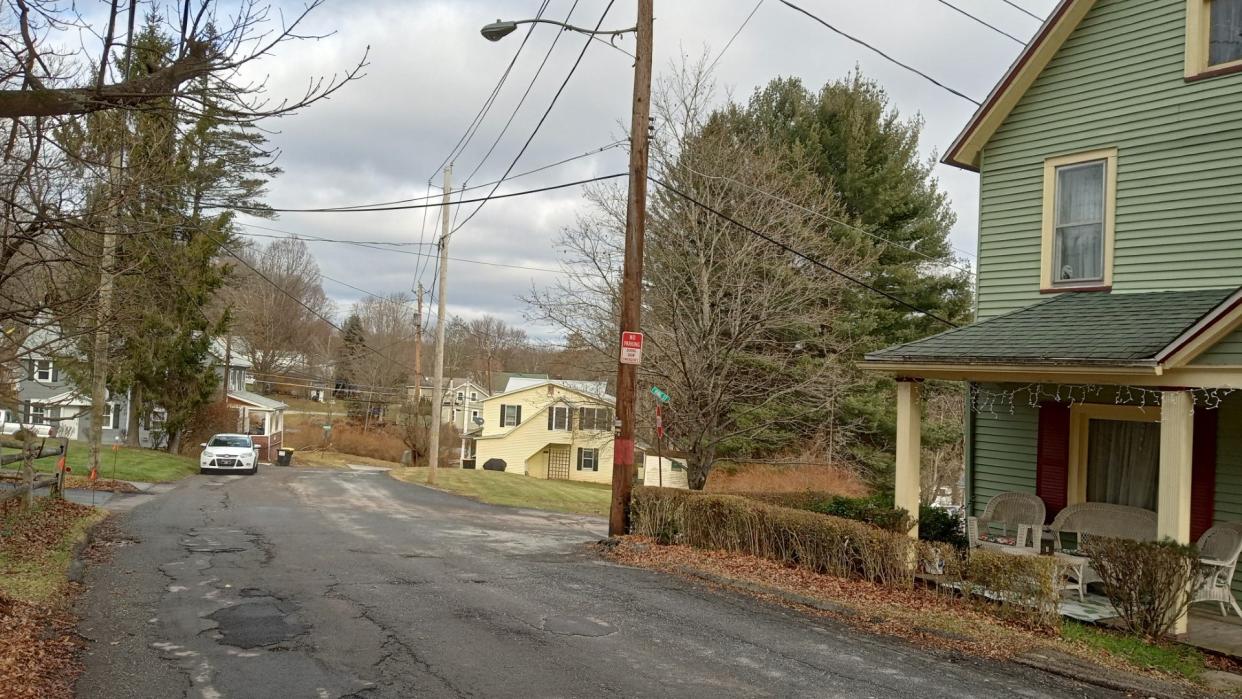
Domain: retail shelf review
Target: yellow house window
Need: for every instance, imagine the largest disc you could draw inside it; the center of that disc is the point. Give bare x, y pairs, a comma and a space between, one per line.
1213, 37
1114, 454
1080, 203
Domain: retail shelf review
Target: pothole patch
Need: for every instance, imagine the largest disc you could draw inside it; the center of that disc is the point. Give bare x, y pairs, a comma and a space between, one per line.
257, 623
577, 626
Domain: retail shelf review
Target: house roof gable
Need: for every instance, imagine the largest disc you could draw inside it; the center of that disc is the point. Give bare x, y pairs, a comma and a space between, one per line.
1061, 23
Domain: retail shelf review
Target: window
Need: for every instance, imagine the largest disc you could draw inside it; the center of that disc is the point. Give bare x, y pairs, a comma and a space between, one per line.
236, 441
474, 415
43, 370
474, 395
461, 396
558, 417
1079, 203
599, 419
38, 414
111, 417
1114, 454
1213, 37
510, 415
588, 459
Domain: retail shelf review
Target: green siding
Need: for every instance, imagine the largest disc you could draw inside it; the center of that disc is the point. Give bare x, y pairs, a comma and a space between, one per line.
1226, 352
1118, 82
1004, 452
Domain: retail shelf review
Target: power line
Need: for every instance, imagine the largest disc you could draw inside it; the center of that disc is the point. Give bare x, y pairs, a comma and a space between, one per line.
883, 55
732, 38
800, 254
404, 207
586, 45
832, 219
472, 128
993, 27
1023, 10
518, 107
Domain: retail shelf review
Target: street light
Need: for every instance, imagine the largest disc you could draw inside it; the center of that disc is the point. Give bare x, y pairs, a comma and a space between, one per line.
501, 28
632, 272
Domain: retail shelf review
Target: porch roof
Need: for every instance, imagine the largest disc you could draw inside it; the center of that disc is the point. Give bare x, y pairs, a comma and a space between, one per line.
261, 402
1083, 329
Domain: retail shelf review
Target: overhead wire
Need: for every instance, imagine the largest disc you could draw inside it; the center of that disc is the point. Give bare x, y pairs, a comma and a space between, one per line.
586, 45
882, 54
734, 37
798, 253
978, 20
1023, 10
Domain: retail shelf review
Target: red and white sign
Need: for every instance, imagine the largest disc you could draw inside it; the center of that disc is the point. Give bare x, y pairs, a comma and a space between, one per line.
631, 348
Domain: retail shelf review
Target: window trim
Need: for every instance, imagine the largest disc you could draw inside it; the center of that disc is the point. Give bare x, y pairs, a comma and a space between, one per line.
504, 415
594, 451
51, 370
1198, 43
1081, 415
1048, 237
555, 410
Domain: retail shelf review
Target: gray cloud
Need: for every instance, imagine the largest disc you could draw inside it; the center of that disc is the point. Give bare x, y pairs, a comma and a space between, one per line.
382, 137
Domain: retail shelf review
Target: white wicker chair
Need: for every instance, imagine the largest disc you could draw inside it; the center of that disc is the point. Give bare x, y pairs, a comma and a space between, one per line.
1219, 548
1101, 519
1023, 512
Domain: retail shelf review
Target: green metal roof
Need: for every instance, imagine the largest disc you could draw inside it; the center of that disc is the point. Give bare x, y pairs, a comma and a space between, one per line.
1070, 328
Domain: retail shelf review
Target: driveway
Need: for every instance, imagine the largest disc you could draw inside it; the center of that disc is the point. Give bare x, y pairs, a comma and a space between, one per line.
300, 583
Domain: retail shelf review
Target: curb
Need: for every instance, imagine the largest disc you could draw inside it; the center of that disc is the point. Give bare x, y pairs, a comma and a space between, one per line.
76, 572
1058, 664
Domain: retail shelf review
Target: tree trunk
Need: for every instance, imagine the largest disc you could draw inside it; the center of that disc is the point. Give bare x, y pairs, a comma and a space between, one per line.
133, 423
174, 442
28, 473
698, 466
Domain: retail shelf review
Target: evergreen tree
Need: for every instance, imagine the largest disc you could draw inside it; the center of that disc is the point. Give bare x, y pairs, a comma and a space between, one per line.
348, 369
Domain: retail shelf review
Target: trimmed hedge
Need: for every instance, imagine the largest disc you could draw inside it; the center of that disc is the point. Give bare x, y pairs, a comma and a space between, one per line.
824, 544
935, 524
1021, 588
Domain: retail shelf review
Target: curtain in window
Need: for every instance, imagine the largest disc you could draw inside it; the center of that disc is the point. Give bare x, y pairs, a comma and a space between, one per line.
1225, 44
1080, 222
1123, 462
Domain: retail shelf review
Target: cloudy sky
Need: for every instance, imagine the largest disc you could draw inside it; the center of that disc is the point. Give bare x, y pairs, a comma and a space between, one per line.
383, 137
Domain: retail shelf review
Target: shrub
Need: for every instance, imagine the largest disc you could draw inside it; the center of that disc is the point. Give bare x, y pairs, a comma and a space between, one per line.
1024, 589
824, 544
940, 525
935, 524
1145, 580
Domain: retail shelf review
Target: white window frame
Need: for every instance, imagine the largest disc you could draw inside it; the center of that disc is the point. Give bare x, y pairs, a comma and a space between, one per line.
474, 396
40, 371
1048, 253
560, 418
583, 452
1198, 43
506, 415
111, 417
42, 410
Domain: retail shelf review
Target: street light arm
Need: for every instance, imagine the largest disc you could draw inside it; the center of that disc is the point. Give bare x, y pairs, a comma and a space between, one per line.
501, 28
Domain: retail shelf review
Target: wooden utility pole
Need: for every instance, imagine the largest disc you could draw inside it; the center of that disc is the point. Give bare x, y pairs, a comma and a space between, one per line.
632, 275
99, 362
437, 389
228, 370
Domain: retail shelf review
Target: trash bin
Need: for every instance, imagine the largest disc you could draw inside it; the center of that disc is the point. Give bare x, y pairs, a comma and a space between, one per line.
284, 457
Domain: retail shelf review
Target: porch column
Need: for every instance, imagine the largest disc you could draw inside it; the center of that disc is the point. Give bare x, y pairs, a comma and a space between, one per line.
1177, 411
906, 482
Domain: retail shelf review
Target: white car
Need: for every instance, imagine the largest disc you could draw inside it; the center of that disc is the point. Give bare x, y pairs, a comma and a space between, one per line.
229, 452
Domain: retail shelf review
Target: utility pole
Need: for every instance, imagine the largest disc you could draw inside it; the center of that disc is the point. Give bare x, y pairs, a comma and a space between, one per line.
99, 363
228, 371
437, 389
632, 274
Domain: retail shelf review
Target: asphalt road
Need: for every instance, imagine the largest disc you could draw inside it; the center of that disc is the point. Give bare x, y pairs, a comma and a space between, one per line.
298, 583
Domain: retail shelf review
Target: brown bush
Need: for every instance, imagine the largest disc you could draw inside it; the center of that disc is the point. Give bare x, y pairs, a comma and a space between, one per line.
817, 542
1023, 589
384, 443
1145, 580
210, 419
771, 478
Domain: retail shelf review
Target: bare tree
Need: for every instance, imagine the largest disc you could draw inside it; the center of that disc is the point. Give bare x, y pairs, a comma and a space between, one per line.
389, 327
278, 306
739, 332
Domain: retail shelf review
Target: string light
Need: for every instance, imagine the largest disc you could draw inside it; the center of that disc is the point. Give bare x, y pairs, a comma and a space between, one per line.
1033, 395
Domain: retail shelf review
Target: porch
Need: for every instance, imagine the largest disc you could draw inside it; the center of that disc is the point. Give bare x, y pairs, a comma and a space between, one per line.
1094, 398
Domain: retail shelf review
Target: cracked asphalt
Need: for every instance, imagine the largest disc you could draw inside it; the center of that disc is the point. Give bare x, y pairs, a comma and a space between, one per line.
304, 583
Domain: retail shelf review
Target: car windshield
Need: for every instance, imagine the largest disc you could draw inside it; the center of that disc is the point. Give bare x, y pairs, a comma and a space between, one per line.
226, 440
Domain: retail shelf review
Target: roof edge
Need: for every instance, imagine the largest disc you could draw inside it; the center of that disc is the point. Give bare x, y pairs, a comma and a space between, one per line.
965, 150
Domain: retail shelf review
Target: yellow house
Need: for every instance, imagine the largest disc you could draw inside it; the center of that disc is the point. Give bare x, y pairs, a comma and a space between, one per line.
547, 430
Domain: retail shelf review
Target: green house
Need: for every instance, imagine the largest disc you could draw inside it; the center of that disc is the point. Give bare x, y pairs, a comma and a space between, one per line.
1108, 340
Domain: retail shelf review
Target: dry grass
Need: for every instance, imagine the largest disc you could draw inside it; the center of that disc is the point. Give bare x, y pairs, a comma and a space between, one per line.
377, 443
770, 478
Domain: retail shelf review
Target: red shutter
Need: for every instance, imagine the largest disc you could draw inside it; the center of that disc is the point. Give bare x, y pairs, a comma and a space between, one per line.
1052, 457
1203, 472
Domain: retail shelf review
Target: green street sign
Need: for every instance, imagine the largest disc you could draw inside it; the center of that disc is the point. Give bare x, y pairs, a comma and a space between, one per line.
661, 395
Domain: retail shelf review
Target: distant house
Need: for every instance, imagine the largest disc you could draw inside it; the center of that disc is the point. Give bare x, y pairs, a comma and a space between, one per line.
500, 379
546, 429
462, 402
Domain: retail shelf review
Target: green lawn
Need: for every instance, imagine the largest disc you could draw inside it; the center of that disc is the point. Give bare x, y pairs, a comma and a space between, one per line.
499, 488
124, 464
1169, 658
